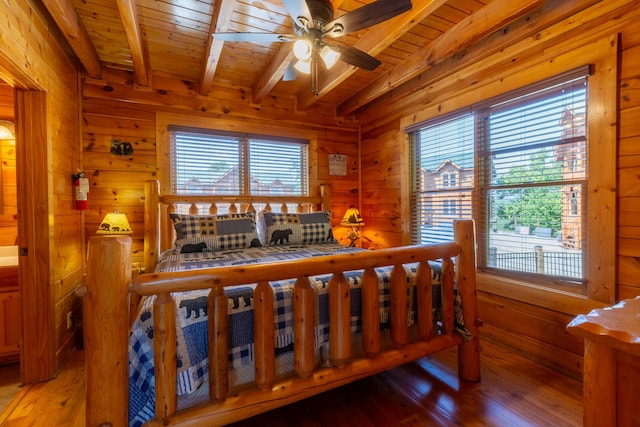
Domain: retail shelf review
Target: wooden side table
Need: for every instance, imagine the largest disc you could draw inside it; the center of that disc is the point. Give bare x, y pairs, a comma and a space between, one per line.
611, 364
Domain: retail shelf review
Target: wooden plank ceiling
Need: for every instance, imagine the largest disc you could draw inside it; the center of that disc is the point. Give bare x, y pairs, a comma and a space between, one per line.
172, 38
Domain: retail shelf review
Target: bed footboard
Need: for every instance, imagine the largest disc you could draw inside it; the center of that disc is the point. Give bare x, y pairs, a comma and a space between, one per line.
108, 339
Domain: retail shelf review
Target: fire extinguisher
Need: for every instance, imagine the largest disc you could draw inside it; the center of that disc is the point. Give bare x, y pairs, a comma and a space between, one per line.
81, 189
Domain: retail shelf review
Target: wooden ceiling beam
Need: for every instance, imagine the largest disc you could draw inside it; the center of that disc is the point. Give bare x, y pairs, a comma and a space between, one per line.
475, 27
76, 35
220, 21
273, 73
129, 17
374, 42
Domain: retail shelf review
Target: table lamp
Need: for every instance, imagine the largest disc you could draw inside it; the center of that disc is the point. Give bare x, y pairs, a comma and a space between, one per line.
353, 219
114, 223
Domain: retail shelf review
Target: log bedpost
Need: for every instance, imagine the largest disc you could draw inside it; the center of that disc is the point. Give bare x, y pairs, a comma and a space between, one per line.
218, 345
370, 313
424, 294
105, 310
164, 355
468, 351
399, 312
151, 225
339, 320
325, 195
303, 318
447, 280
265, 365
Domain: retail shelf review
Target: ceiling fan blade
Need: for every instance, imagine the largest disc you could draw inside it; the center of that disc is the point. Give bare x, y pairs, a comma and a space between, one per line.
299, 12
366, 16
356, 57
290, 73
261, 38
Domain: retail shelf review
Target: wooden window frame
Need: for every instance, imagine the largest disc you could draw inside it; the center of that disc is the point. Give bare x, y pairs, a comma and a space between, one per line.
165, 120
243, 143
601, 196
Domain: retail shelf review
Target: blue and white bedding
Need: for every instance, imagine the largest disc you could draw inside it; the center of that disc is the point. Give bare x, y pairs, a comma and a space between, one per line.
191, 313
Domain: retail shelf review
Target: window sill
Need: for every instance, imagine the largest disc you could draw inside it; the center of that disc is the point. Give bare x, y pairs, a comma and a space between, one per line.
530, 293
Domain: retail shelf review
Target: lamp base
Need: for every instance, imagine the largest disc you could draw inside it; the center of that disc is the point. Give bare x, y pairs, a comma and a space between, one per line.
354, 236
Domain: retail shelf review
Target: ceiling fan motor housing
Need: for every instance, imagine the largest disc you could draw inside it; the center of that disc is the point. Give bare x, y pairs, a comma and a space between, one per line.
321, 11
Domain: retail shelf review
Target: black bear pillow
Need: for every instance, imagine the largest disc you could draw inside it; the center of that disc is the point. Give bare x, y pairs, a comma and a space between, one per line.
276, 228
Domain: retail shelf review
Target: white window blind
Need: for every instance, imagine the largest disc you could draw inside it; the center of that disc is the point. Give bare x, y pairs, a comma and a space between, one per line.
223, 163
444, 173
277, 167
533, 149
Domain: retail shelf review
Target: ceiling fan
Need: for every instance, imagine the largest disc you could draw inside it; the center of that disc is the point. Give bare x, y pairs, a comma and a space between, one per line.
312, 22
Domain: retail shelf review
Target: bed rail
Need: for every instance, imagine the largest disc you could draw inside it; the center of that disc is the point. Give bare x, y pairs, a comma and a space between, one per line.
103, 366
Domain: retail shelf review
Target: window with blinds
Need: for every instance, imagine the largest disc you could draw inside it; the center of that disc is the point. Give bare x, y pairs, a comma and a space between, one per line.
223, 163
525, 156
444, 174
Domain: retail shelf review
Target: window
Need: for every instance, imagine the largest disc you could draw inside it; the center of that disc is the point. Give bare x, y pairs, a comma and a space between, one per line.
447, 145
449, 208
226, 163
524, 157
449, 180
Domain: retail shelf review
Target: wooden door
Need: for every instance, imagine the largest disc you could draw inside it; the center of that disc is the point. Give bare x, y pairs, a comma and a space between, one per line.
33, 160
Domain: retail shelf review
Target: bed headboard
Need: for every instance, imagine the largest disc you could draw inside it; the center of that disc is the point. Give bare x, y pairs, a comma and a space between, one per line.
159, 232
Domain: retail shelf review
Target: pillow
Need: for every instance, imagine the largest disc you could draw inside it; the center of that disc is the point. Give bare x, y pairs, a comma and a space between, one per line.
294, 228
217, 232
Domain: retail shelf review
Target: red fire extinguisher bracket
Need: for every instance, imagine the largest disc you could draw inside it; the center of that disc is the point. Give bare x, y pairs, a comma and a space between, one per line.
81, 190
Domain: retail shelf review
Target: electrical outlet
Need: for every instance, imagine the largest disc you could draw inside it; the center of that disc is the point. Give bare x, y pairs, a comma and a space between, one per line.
69, 324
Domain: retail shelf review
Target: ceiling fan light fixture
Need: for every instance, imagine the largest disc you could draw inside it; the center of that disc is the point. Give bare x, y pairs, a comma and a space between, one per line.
303, 66
302, 49
329, 56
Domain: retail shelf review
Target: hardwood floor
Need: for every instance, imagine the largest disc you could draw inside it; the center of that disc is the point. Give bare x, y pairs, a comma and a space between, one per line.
9, 384
514, 391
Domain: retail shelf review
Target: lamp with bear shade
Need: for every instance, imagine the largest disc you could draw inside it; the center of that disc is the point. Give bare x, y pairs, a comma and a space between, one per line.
114, 223
353, 219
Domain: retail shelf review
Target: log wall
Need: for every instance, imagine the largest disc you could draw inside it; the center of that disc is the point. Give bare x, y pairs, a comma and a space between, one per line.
113, 108
35, 61
532, 324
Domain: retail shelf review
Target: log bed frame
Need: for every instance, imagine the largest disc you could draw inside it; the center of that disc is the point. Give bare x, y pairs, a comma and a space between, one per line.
106, 314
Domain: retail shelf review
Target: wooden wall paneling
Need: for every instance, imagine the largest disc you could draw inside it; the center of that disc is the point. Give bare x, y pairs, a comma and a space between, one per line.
33, 56
537, 323
117, 182
564, 361
173, 95
628, 261
382, 207
629, 212
512, 49
344, 189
